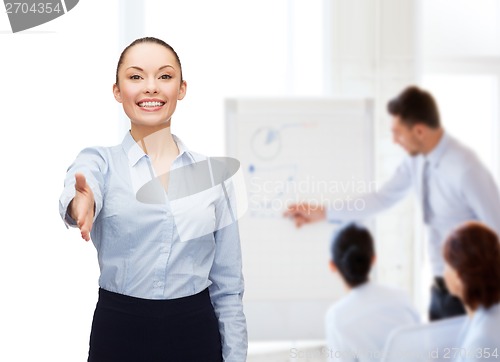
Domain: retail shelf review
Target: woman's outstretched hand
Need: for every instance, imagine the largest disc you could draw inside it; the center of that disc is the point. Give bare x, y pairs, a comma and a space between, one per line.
82, 207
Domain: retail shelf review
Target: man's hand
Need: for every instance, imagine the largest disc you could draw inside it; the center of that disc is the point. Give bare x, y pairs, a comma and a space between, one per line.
82, 207
304, 213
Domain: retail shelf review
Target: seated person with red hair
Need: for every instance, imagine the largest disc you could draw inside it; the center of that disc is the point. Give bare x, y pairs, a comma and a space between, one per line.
472, 273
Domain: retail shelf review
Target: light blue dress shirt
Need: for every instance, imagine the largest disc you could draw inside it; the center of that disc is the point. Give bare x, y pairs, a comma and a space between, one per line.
140, 249
479, 338
461, 189
358, 325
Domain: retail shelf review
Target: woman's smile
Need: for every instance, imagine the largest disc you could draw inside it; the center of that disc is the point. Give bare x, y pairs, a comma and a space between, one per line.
150, 104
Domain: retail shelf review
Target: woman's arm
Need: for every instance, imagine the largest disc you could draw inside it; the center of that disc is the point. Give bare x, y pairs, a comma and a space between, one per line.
226, 276
81, 200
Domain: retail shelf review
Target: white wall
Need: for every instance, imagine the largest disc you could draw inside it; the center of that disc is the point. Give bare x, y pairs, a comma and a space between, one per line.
237, 48
461, 63
55, 96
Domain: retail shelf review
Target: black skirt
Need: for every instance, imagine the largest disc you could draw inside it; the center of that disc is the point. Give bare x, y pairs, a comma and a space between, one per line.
133, 329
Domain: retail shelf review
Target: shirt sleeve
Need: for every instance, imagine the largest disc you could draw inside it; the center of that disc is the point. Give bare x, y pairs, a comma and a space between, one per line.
372, 203
92, 164
226, 290
482, 196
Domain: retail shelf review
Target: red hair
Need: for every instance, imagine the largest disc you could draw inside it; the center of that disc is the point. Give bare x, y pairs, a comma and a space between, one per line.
473, 250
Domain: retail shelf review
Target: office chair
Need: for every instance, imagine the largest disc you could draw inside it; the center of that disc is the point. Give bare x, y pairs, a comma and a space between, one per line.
434, 341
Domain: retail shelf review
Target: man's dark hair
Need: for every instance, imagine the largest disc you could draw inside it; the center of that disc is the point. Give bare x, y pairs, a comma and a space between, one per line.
415, 105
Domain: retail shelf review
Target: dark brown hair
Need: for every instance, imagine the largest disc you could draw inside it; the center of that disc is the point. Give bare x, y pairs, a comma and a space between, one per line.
473, 250
148, 39
415, 105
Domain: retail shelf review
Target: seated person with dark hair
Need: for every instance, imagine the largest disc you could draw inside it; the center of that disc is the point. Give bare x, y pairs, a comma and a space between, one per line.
358, 325
472, 273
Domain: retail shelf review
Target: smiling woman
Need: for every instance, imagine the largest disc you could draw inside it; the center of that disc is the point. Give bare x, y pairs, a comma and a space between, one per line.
161, 297
149, 89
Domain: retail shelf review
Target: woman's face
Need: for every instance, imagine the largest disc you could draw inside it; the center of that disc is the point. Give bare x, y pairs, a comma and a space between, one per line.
453, 281
149, 85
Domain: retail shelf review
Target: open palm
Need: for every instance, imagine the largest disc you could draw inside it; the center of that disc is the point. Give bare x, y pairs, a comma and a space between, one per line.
82, 206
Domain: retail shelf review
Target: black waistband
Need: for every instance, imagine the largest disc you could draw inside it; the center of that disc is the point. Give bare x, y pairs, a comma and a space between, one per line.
153, 307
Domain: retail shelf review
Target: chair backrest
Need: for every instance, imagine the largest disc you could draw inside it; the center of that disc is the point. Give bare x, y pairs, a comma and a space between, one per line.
434, 341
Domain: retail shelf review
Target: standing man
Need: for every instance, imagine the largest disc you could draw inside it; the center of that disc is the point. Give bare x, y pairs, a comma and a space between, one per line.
450, 181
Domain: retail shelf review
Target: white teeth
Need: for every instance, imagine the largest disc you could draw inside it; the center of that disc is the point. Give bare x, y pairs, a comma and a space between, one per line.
151, 104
